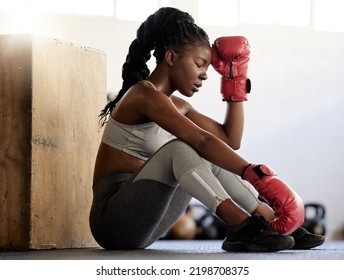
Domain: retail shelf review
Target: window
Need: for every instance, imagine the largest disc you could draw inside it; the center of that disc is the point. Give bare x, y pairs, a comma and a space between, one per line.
328, 15
138, 10
281, 12
218, 12
22, 14
231, 12
85, 7
293, 12
257, 12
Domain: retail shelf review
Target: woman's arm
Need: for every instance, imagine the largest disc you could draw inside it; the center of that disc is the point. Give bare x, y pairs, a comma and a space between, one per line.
278, 194
206, 138
231, 131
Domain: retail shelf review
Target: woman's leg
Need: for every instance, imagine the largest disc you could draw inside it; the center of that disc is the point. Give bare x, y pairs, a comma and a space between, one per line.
242, 192
190, 172
150, 202
246, 196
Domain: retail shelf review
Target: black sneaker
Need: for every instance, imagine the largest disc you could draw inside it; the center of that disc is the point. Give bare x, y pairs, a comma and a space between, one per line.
306, 240
255, 235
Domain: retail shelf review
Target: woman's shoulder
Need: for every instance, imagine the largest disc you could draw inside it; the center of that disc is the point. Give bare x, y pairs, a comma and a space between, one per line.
182, 105
144, 102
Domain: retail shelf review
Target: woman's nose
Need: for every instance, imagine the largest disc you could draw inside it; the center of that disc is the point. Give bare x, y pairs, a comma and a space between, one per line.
204, 76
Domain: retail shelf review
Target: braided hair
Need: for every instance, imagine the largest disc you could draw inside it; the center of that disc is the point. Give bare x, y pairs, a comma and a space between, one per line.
168, 28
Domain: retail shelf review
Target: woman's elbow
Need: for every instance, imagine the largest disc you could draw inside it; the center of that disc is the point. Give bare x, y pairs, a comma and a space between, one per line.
233, 142
235, 148
235, 145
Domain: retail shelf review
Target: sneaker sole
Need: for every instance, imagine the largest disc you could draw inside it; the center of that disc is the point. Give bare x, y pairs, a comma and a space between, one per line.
300, 246
251, 247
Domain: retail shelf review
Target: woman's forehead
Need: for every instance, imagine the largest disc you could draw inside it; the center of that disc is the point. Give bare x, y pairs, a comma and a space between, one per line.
203, 51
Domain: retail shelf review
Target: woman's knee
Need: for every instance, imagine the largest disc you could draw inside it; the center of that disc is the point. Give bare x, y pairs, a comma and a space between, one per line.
177, 145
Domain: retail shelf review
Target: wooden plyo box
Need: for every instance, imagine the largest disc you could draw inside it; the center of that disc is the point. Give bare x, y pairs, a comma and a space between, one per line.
51, 93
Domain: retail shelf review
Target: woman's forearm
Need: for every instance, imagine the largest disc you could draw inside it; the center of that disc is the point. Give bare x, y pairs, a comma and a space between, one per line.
234, 123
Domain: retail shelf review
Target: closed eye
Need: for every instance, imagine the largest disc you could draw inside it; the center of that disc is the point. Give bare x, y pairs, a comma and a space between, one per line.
200, 64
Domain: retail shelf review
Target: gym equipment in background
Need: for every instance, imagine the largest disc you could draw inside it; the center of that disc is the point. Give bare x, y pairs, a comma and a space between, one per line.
198, 222
315, 218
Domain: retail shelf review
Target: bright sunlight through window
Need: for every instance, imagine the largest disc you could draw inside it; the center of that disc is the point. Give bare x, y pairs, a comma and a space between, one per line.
281, 12
22, 14
328, 15
218, 12
84, 7
138, 10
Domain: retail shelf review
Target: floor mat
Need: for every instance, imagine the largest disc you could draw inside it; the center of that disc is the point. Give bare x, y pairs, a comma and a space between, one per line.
179, 250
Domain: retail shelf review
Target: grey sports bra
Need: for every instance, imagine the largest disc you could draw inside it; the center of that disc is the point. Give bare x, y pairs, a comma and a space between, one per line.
141, 140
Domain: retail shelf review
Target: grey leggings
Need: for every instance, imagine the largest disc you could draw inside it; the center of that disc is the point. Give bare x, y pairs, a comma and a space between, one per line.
133, 210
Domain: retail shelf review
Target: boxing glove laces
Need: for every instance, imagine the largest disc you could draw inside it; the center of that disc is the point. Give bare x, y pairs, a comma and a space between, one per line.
230, 58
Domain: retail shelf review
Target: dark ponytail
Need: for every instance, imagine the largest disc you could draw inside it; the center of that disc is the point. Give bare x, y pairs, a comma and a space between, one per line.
165, 29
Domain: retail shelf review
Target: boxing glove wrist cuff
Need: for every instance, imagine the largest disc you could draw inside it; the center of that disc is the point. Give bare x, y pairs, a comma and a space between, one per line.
235, 89
287, 205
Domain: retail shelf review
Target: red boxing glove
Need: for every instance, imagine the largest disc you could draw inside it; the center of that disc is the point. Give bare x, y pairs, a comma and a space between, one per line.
230, 59
287, 204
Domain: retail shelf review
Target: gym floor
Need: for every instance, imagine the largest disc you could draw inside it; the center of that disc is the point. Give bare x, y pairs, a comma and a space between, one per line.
179, 250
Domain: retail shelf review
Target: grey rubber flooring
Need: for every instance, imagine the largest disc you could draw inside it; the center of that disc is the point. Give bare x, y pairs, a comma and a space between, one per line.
173, 250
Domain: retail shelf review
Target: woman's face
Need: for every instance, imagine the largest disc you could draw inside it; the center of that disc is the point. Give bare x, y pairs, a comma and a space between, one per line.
189, 69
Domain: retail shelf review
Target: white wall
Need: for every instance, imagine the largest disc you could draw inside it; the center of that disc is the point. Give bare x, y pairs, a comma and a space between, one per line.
294, 116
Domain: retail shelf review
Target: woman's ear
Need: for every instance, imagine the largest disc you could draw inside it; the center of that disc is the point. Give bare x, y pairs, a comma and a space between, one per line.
170, 57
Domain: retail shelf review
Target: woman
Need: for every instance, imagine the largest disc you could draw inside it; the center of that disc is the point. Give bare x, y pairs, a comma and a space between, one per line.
157, 151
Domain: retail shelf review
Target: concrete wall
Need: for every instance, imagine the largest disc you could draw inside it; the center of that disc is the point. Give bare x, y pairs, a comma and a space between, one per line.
294, 116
